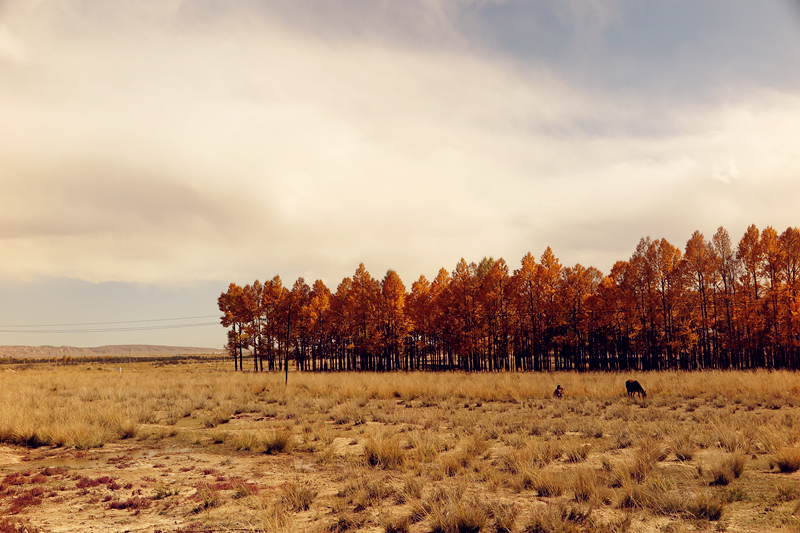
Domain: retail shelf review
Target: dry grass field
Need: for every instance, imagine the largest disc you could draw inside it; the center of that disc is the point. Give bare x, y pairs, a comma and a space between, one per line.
190, 448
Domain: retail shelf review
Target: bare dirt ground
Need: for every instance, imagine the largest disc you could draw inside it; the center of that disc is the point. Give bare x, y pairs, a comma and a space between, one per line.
387, 453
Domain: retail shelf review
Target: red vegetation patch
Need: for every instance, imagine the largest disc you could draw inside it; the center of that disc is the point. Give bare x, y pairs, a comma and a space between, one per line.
87, 482
26, 499
14, 478
131, 503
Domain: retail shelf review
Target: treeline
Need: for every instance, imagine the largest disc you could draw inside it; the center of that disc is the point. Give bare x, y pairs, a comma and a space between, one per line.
710, 306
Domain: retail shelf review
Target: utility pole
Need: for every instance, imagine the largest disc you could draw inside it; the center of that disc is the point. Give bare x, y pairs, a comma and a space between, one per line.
286, 359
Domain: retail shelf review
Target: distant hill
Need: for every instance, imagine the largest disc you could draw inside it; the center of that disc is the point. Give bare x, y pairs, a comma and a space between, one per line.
134, 350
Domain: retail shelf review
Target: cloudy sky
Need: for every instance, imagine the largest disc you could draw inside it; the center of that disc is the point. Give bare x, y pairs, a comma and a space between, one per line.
153, 151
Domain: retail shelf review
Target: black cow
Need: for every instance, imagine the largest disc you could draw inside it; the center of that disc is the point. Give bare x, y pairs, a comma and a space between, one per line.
634, 388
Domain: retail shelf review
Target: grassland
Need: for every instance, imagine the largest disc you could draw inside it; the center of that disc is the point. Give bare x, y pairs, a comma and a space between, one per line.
191, 448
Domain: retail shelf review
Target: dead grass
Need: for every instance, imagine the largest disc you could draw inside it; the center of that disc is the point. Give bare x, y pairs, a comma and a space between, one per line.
299, 495
384, 451
727, 468
453, 515
413, 453
787, 459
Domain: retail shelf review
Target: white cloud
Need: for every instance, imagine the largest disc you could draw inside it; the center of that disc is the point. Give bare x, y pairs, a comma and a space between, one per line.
11, 48
726, 172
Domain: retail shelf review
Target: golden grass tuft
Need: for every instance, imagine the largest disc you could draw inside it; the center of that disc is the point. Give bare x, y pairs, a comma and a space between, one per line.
396, 524
348, 413
277, 441
727, 468
384, 451
452, 515
299, 495
365, 489
705, 506
787, 459
683, 447
547, 483
558, 519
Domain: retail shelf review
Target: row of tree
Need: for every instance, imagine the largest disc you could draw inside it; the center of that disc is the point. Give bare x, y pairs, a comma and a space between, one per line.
711, 305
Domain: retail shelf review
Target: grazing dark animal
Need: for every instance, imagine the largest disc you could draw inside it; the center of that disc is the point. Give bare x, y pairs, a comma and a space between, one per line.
634, 388
559, 392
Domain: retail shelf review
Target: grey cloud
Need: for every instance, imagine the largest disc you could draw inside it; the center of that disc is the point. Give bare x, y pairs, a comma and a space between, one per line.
205, 140
89, 197
675, 50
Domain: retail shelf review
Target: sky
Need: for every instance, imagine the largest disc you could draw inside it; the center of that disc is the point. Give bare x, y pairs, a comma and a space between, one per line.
154, 151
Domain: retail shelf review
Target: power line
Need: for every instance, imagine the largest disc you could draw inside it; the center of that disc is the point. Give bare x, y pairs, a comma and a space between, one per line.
104, 323
106, 330
45, 328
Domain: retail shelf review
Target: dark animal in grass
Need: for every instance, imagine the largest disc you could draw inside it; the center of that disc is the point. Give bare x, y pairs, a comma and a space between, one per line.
634, 388
559, 392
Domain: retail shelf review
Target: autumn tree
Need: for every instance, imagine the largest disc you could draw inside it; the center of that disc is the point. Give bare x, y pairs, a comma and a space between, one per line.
394, 324
790, 243
234, 316
498, 313
750, 255
728, 272
463, 314
548, 281
443, 326
614, 320
526, 302
700, 263
318, 316
420, 314
579, 284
